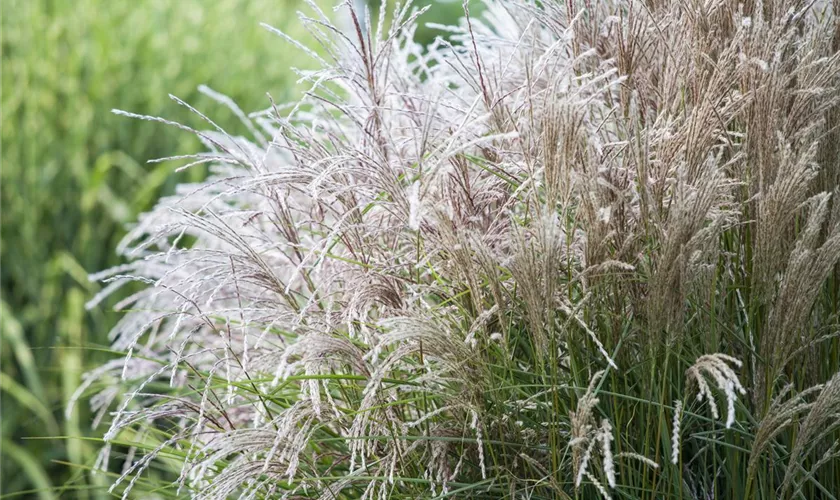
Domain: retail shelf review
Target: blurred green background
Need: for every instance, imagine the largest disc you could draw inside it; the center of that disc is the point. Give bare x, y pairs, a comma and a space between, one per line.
74, 175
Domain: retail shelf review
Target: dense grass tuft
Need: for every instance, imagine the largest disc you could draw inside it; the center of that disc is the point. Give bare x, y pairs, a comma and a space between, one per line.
571, 250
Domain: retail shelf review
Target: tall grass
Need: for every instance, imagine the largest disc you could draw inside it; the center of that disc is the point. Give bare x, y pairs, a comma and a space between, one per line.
573, 250
73, 175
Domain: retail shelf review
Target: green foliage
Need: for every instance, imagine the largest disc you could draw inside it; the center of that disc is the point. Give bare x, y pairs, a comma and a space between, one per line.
73, 175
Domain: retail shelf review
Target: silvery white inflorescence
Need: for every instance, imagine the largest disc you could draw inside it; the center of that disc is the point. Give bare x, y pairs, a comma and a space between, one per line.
336, 306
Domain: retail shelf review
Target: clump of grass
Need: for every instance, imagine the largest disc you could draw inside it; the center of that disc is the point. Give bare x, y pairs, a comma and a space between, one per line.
486, 268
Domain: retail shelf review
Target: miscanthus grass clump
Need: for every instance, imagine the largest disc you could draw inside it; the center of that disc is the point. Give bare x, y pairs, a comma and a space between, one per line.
570, 250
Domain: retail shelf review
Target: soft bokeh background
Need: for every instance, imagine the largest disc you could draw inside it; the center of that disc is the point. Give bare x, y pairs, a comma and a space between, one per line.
74, 175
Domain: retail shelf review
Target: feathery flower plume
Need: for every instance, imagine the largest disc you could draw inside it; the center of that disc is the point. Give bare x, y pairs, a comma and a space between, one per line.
675, 433
716, 366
